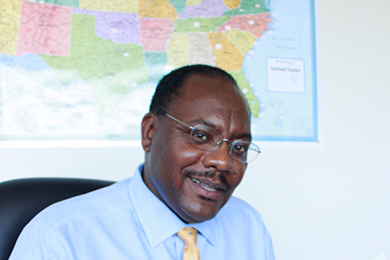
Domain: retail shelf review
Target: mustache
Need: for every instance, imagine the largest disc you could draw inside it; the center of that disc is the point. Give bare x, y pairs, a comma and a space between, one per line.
208, 174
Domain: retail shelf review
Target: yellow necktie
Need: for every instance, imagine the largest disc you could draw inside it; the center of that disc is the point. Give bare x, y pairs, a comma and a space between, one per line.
191, 250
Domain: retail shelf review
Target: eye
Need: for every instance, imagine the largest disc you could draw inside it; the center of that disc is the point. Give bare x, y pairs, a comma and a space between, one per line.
240, 148
200, 136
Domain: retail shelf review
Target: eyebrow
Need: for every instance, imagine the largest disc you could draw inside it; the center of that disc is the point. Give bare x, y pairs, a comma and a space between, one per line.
202, 122
245, 136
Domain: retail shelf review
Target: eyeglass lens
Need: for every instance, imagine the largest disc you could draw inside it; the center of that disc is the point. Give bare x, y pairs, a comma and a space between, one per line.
209, 139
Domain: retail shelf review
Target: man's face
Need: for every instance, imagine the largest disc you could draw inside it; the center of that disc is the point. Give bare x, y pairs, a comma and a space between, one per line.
194, 183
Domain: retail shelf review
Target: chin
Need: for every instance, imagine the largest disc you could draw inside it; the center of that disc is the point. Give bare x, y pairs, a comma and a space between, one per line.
202, 214
198, 218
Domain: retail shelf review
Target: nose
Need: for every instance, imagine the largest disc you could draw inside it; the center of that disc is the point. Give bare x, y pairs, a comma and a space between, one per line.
220, 158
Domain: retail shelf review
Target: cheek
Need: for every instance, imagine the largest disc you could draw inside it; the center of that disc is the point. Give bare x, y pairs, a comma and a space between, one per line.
173, 164
241, 169
238, 175
186, 154
190, 153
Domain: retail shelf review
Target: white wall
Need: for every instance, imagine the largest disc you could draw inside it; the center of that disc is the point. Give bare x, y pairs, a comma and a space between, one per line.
330, 202
334, 202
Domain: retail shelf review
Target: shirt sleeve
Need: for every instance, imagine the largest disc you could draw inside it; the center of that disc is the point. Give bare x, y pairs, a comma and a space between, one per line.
266, 239
34, 246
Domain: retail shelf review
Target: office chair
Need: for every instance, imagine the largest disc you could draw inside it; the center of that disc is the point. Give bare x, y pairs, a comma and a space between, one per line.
22, 199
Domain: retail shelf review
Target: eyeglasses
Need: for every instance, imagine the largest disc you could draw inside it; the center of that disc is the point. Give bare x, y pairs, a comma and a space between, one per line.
209, 139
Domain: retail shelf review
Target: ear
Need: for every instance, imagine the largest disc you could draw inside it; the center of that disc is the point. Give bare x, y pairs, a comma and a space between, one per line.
148, 130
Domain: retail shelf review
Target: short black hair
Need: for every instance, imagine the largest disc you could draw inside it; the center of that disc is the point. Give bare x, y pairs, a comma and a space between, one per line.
170, 84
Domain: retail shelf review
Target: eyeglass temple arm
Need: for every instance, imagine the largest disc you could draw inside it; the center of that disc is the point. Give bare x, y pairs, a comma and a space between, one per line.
174, 119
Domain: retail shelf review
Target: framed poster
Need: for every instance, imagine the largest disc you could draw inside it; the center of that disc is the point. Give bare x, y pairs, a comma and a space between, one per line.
85, 70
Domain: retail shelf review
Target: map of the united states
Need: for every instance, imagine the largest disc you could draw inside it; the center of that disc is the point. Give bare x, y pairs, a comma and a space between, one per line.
115, 47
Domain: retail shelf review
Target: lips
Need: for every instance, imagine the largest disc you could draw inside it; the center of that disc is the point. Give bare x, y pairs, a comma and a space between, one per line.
208, 185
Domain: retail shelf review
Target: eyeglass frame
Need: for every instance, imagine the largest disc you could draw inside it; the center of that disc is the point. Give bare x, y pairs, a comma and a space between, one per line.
219, 143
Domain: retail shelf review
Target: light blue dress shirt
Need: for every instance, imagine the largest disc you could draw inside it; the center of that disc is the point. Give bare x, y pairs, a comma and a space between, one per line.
127, 221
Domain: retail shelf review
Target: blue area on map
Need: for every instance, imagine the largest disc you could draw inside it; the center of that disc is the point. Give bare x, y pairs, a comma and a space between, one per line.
29, 65
30, 61
34, 67
285, 116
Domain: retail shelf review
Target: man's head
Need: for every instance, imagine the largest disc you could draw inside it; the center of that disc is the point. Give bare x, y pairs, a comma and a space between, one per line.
170, 85
194, 183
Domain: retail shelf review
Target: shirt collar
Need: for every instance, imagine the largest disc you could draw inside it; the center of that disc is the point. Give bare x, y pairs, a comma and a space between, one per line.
157, 220
209, 229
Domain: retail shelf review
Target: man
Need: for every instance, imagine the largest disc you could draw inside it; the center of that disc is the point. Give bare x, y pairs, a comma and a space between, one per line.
197, 144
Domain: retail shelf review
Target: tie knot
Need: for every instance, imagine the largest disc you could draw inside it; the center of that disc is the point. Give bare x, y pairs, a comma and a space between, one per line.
188, 235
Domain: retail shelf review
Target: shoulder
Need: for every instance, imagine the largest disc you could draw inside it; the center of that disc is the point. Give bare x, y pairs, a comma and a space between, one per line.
92, 205
243, 215
241, 221
238, 208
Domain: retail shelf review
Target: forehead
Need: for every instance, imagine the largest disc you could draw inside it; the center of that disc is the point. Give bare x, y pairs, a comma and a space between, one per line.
214, 98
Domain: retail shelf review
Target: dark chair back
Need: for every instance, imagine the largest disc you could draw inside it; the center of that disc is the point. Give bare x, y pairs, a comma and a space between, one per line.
22, 199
